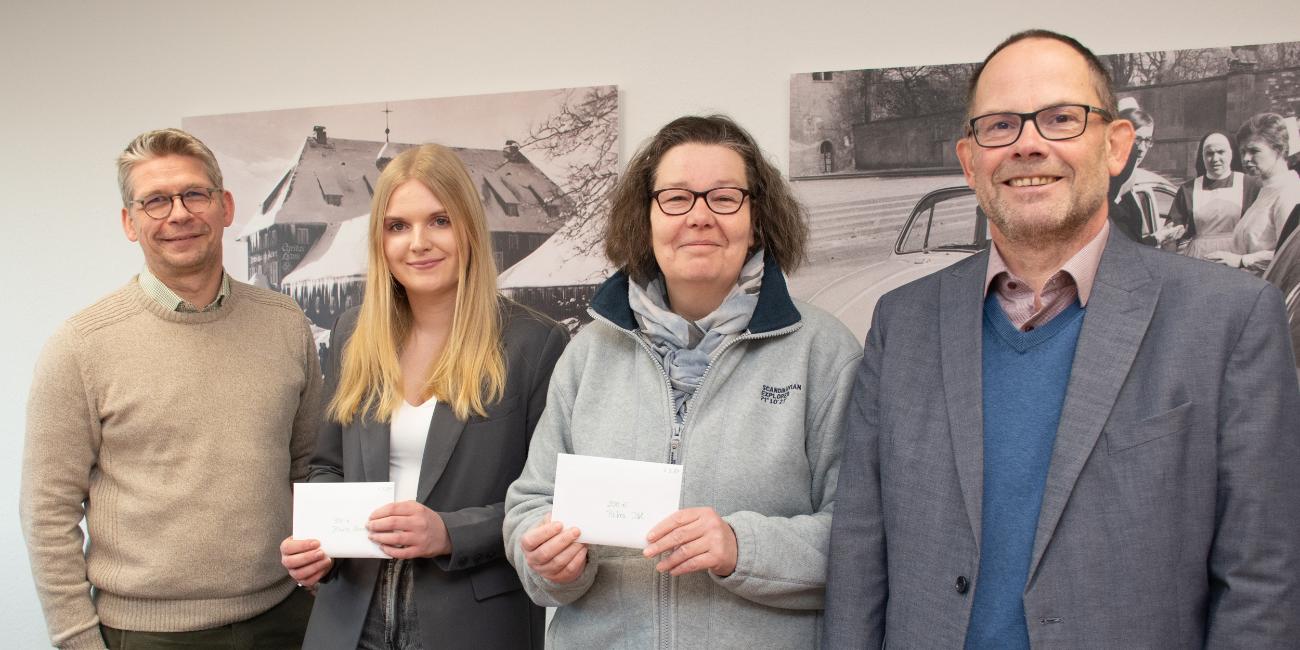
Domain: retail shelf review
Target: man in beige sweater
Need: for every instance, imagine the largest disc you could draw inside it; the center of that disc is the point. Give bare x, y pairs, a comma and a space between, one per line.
173, 416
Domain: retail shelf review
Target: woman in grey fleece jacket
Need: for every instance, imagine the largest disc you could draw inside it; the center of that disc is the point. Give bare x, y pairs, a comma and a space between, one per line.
697, 356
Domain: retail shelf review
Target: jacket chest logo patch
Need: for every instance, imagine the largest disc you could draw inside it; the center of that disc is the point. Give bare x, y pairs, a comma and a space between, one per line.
777, 394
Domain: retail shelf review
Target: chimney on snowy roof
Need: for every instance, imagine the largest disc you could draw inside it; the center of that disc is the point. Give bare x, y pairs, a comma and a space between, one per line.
511, 152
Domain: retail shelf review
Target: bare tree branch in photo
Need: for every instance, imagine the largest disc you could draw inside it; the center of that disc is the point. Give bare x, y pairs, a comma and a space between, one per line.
1193, 65
1153, 65
921, 90
585, 128
912, 95
1135, 69
1121, 69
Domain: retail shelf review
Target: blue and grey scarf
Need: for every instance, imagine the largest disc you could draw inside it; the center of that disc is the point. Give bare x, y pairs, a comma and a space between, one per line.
684, 347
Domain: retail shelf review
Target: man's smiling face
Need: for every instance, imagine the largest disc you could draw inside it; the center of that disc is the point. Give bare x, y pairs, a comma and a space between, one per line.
1039, 190
184, 242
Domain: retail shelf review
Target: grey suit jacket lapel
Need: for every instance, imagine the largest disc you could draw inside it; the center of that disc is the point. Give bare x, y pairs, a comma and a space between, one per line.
444, 433
961, 308
374, 450
1119, 311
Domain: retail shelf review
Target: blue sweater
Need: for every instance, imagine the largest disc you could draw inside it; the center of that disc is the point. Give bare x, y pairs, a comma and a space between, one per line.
1025, 377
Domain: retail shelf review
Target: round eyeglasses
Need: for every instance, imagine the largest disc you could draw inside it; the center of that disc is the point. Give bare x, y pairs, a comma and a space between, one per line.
195, 199
1054, 123
676, 201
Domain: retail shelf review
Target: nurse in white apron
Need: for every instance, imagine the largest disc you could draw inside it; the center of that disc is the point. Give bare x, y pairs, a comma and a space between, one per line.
1209, 206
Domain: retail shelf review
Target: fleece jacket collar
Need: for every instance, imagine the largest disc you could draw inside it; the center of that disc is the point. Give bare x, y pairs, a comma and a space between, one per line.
775, 310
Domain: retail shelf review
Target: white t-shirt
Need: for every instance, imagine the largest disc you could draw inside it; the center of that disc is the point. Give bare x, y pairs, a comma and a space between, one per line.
408, 431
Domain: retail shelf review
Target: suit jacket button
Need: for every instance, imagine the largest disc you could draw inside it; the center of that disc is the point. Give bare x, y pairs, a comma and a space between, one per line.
962, 585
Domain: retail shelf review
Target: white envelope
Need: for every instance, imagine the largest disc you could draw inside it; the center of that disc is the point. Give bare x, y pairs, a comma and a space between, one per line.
336, 514
614, 501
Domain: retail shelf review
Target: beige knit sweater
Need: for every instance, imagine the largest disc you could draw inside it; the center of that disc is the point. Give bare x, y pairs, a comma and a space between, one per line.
177, 436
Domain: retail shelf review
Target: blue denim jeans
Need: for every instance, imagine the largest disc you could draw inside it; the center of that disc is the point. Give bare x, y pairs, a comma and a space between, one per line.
391, 622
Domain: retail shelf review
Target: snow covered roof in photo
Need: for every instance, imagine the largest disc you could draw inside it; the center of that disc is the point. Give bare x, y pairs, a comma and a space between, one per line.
333, 180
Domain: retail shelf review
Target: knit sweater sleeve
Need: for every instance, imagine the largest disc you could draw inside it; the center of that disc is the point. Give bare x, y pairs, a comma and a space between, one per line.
306, 422
59, 454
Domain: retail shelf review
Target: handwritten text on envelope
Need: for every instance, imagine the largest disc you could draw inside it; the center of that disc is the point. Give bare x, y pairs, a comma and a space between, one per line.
336, 514
613, 501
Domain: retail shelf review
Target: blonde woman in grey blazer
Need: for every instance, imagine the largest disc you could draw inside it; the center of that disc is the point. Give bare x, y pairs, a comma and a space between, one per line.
437, 384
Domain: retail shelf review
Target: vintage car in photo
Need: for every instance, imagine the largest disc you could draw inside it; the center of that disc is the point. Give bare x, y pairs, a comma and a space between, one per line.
944, 226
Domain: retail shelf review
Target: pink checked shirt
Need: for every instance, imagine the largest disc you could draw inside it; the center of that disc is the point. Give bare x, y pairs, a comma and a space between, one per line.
1073, 280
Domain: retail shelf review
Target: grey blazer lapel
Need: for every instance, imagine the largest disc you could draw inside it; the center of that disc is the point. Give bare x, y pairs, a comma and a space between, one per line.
374, 449
1119, 311
444, 433
961, 308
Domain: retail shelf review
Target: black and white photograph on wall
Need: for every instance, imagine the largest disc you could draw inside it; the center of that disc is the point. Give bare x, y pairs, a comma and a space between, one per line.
1212, 173
543, 162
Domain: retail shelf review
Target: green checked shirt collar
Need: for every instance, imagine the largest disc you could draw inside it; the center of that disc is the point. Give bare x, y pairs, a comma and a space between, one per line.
154, 288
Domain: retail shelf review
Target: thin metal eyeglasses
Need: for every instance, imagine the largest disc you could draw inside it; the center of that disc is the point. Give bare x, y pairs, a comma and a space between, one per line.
195, 199
676, 201
1060, 122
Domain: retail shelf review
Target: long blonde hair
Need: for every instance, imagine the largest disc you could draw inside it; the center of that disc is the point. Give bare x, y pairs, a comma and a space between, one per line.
470, 371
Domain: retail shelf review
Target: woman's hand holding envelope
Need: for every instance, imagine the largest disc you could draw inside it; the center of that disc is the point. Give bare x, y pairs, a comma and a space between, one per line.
409, 529
698, 538
554, 551
306, 563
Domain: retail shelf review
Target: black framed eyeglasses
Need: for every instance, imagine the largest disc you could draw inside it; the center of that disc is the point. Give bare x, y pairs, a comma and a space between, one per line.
195, 199
1060, 122
676, 201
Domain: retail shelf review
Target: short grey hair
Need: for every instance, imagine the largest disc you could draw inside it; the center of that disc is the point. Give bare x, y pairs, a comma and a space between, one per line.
159, 143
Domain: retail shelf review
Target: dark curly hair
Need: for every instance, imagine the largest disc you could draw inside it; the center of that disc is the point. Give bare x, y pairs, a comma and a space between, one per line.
779, 223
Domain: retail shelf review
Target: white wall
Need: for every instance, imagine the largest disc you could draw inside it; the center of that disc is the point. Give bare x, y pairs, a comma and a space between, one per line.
80, 79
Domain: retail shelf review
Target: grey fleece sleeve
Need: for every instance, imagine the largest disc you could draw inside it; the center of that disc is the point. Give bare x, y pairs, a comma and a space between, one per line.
781, 561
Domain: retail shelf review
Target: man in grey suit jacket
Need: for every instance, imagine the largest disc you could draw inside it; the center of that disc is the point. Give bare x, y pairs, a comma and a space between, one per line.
1069, 440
